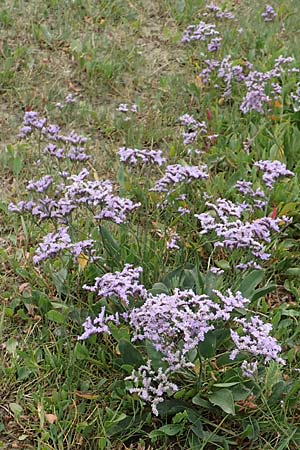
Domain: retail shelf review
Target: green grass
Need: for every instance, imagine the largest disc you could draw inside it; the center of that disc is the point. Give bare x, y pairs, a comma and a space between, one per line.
105, 53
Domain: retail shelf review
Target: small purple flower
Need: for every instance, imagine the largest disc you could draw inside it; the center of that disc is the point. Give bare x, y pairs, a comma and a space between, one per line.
272, 170
172, 242
255, 339
123, 285
40, 185
214, 45
134, 156
249, 369
269, 14
201, 32
176, 174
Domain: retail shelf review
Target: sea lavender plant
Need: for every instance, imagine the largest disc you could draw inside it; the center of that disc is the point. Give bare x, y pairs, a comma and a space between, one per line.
151, 386
122, 285
175, 174
272, 170
133, 156
201, 32
269, 14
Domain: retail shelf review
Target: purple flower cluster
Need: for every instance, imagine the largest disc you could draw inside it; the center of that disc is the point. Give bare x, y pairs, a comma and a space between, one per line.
79, 193
69, 100
219, 13
201, 32
70, 145
134, 156
255, 82
272, 170
234, 233
254, 338
124, 108
175, 174
99, 324
123, 285
172, 242
176, 324
40, 185
151, 386
269, 14
246, 188
54, 243
193, 128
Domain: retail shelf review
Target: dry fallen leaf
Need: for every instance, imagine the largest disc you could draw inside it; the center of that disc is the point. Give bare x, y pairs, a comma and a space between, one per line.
23, 287
87, 396
51, 418
82, 260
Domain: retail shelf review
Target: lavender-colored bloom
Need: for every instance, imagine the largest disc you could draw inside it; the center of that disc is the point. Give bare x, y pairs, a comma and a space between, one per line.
183, 211
226, 208
249, 265
200, 32
52, 150
22, 207
269, 14
216, 270
40, 185
214, 45
123, 285
283, 60
54, 243
189, 121
254, 100
211, 66
70, 99
255, 339
123, 107
218, 12
249, 369
237, 234
176, 174
98, 325
134, 156
172, 242
246, 188
116, 209
151, 386
77, 154
25, 130
166, 319
272, 171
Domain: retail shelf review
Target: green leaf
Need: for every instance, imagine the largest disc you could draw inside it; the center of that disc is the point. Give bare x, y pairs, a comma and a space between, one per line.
159, 288
55, 316
171, 429
155, 357
208, 346
258, 293
226, 385
16, 409
109, 242
250, 282
59, 279
224, 399
11, 345
119, 332
130, 353
81, 352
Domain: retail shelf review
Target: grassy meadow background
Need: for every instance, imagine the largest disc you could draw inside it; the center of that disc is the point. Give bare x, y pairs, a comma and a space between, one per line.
57, 393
